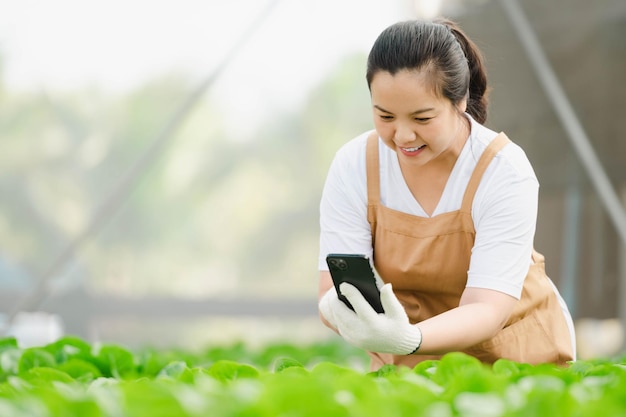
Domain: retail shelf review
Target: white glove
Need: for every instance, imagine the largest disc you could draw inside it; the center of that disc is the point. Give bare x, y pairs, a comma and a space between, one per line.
390, 332
328, 303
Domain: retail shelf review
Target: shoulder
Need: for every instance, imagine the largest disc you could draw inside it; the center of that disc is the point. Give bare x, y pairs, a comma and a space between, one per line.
354, 147
510, 162
347, 172
509, 183
349, 160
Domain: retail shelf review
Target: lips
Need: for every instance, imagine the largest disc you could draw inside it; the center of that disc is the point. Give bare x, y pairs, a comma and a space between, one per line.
412, 151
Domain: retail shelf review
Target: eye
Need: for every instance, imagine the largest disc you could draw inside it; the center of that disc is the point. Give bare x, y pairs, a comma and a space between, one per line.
385, 117
422, 119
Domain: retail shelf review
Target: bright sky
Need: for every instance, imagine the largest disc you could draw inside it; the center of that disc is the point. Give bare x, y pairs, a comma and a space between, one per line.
119, 44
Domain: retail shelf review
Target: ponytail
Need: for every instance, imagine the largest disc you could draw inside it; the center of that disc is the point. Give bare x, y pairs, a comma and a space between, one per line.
477, 100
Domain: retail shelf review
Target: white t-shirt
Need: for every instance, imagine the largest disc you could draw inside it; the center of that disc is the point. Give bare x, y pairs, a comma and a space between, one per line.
504, 209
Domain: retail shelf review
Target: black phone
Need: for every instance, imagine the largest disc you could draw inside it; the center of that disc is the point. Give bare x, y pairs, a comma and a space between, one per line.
356, 270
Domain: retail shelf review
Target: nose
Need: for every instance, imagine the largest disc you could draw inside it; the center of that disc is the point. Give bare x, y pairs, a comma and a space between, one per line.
404, 135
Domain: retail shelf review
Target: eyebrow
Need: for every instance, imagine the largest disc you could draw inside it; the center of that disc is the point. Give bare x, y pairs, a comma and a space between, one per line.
416, 112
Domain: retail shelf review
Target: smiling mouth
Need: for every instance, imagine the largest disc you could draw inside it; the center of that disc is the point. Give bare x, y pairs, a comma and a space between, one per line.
415, 149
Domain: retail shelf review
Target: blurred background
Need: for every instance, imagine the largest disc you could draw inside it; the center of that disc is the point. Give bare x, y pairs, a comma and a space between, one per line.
161, 163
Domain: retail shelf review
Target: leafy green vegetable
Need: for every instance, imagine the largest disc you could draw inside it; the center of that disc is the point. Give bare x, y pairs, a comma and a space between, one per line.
45, 376
283, 363
80, 369
9, 362
115, 361
225, 370
69, 347
33, 358
177, 370
8, 343
72, 378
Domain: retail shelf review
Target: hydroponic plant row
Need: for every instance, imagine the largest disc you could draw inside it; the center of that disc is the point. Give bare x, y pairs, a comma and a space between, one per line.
73, 378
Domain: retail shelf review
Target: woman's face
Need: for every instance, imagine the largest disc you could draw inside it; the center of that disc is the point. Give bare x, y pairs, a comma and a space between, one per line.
414, 121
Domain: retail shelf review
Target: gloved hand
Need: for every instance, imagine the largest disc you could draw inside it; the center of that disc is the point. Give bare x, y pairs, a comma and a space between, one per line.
328, 303
390, 332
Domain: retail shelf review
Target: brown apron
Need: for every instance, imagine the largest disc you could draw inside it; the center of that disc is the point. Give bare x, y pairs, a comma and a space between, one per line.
427, 259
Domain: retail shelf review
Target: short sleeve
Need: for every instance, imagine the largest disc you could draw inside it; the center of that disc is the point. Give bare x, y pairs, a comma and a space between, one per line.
343, 207
505, 215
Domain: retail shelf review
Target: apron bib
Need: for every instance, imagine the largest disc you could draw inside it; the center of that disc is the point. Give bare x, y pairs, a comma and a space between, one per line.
427, 259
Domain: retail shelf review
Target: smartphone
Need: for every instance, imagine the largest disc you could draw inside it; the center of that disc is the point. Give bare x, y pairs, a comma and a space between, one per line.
356, 270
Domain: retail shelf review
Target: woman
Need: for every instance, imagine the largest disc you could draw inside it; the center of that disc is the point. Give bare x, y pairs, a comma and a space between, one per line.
446, 210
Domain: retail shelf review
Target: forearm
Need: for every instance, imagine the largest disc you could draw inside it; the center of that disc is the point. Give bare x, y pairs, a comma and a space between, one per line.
457, 329
480, 316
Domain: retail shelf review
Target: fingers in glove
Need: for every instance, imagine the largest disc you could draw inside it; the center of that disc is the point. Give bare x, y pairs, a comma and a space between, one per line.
379, 280
361, 306
390, 302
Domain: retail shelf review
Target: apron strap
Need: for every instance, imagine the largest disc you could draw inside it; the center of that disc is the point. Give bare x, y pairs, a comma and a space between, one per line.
485, 159
373, 169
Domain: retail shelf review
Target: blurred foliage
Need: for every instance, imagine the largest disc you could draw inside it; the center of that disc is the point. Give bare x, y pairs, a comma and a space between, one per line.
214, 214
70, 377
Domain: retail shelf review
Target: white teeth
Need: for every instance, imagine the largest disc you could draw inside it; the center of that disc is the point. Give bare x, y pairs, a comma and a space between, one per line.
414, 149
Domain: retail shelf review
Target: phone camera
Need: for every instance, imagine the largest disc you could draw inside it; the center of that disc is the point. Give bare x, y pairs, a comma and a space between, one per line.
339, 264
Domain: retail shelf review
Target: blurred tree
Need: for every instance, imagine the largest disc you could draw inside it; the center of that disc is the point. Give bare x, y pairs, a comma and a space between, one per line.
213, 215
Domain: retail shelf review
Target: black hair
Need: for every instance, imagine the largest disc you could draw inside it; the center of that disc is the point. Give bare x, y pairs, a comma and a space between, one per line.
454, 63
